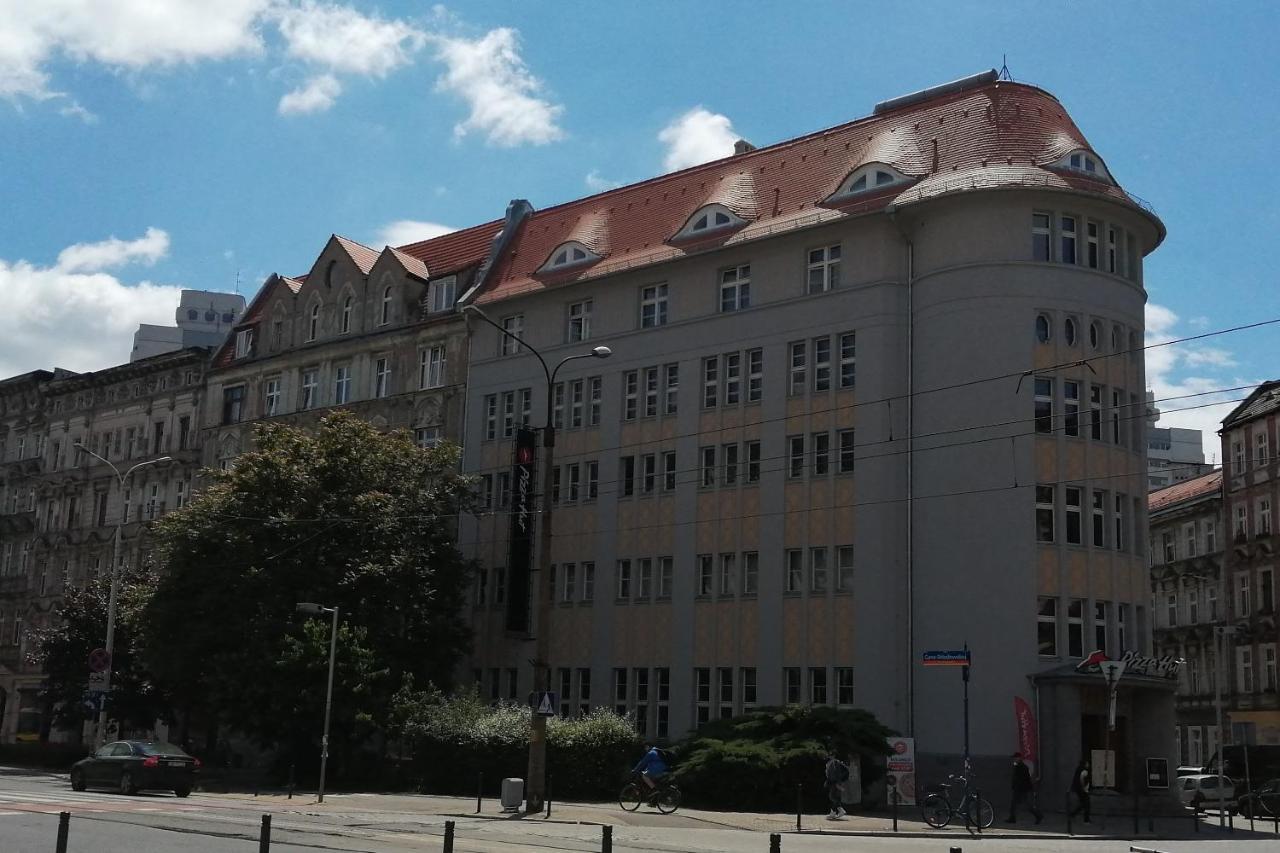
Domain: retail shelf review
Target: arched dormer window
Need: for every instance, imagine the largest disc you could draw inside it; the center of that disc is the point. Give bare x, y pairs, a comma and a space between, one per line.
1086, 163
567, 255
710, 219
313, 322
346, 314
385, 316
868, 179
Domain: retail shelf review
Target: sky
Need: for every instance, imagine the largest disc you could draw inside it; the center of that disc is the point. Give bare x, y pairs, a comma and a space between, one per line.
147, 147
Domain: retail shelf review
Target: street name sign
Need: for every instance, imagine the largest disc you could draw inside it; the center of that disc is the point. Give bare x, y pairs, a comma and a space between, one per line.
954, 657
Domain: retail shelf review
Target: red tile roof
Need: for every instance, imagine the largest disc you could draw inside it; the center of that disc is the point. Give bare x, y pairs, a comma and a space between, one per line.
225, 354
452, 252
412, 265
363, 256
994, 135
1201, 486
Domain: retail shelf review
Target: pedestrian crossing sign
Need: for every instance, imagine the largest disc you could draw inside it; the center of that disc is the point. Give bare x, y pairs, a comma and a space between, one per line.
544, 703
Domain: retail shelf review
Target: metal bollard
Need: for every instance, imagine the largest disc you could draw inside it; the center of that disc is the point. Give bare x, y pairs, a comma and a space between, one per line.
64, 830
1231, 822
893, 802
548, 795
264, 836
977, 807
606, 839
1068, 811
1137, 817
479, 791
293, 783
448, 836
799, 803
775, 842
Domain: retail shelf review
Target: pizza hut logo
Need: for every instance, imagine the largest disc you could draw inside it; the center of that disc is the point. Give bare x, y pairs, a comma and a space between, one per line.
524, 455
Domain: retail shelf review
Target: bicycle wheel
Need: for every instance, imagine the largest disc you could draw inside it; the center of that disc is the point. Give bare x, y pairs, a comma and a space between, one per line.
668, 799
936, 811
630, 797
980, 813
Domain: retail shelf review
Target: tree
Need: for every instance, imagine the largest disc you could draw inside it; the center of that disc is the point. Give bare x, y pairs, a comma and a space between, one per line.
344, 516
63, 652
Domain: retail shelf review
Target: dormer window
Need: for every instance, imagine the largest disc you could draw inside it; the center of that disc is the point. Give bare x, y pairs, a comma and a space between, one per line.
1086, 163
867, 179
313, 323
346, 315
567, 255
711, 219
244, 342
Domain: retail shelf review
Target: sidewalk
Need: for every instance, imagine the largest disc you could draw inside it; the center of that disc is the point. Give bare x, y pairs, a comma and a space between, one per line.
435, 809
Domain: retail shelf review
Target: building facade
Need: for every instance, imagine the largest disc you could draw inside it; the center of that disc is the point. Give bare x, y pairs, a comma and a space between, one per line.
1250, 496
60, 508
1189, 601
874, 391
1174, 455
203, 319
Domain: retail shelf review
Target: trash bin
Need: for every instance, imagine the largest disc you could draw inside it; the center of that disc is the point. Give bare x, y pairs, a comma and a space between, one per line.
512, 794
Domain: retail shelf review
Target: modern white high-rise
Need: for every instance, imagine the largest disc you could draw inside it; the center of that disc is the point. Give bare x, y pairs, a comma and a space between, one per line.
204, 319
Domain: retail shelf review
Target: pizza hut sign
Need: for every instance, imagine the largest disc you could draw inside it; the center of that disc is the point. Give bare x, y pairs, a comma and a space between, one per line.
1135, 663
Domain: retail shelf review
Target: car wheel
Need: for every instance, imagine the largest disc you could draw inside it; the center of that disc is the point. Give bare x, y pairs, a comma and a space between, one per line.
126, 783
182, 792
77, 780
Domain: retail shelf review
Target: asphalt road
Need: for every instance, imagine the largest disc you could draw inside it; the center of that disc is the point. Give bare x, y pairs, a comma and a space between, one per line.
111, 823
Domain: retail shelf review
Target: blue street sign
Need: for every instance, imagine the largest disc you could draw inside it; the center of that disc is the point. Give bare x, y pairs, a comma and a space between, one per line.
955, 657
544, 704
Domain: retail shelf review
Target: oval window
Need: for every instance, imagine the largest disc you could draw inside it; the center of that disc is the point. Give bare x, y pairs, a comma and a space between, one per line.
1095, 335
1042, 328
1069, 329
1115, 338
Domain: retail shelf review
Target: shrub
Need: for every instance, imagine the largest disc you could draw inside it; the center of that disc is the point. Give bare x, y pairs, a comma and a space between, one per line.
753, 762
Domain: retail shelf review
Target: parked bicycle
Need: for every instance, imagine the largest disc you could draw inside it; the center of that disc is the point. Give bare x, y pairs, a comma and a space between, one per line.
939, 809
665, 796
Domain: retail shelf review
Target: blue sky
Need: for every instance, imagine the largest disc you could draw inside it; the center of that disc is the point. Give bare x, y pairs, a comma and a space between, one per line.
246, 131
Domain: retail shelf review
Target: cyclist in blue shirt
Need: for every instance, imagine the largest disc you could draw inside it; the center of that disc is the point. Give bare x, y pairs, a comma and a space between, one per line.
651, 768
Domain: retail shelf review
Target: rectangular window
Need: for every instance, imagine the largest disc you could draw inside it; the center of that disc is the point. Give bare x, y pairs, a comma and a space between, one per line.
1193, 605
1116, 403
1047, 627
1189, 542
1122, 626
844, 685
381, 377
817, 569
650, 392
1241, 530
669, 470
705, 571
508, 414
621, 691
627, 474
795, 570
426, 437
710, 381
1237, 457
1099, 519
844, 568
724, 684
1095, 412
671, 389
1044, 513
798, 369
1091, 230
817, 685
732, 378
557, 405
593, 480
1264, 517
271, 403
1262, 451
232, 407
588, 586
624, 580
573, 482
708, 467
1040, 244
645, 567
1268, 666
753, 461
1073, 498
750, 573
820, 442
653, 306
795, 466
1266, 590
728, 572
1244, 669
735, 288
442, 295
1100, 620
791, 684
666, 576
1075, 628
576, 403
822, 364
1121, 521
1171, 607
513, 325
729, 454
755, 375
579, 322
568, 582
630, 395
1068, 225
1243, 608
1111, 250
848, 360
490, 417
824, 269
702, 694
1044, 404
1167, 546
597, 398
648, 473
747, 679
847, 451
431, 367
1071, 408
342, 384
244, 343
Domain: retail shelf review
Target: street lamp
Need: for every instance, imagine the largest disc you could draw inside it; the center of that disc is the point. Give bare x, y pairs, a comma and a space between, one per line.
1219, 632
100, 733
535, 785
1111, 672
316, 610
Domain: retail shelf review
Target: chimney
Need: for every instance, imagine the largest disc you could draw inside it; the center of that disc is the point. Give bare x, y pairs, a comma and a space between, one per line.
742, 146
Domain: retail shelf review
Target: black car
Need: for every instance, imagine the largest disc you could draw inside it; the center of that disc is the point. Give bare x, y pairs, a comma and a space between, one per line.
129, 766
1262, 801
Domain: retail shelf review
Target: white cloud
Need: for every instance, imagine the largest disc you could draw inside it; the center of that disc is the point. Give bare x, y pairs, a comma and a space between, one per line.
402, 232
502, 94
696, 137
75, 110
76, 315
1169, 376
341, 39
113, 252
317, 95
597, 184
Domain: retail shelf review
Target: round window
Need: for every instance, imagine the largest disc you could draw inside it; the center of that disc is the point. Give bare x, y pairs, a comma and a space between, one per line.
1069, 330
1115, 338
1042, 328
1095, 335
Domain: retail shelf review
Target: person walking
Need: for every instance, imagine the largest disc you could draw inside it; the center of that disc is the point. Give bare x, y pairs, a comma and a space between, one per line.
836, 773
1022, 789
1080, 787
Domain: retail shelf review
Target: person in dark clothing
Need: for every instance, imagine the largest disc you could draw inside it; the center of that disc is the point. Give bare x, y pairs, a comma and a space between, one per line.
1080, 787
1023, 789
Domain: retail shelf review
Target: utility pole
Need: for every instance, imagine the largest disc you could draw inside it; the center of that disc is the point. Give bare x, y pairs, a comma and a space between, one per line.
1219, 633
316, 610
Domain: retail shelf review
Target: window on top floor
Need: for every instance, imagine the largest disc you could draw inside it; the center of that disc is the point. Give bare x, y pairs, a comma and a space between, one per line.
579, 316
568, 255
824, 269
653, 306
735, 288
384, 317
313, 322
1084, 162
866, 179
348, 306
514, 326
443, 294
244, 342
711, 219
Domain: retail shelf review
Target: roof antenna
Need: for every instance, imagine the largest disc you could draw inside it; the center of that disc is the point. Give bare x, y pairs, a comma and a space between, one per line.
1004, 68
237, 281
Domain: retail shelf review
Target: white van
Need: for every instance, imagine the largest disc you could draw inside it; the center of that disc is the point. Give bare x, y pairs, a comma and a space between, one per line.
1202, 791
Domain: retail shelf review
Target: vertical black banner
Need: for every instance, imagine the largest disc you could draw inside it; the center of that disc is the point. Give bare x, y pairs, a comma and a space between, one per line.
520, 552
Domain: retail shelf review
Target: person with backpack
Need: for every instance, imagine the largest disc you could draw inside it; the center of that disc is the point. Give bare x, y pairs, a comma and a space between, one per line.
1023, 790
1080, 787
653, 766
836, 774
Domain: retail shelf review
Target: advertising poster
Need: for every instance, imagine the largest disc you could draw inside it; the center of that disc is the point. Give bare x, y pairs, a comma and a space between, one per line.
900, 769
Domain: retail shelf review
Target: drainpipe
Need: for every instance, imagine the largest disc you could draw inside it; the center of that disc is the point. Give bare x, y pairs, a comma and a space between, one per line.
892, 211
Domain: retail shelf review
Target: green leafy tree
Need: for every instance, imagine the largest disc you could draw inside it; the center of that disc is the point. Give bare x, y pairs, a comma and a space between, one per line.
63, 652
343, 515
